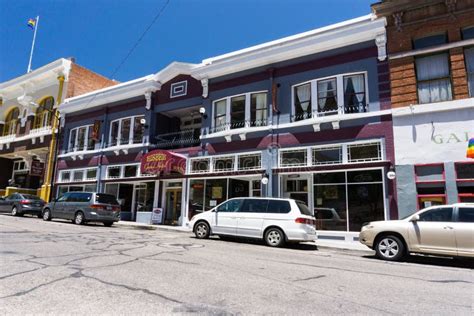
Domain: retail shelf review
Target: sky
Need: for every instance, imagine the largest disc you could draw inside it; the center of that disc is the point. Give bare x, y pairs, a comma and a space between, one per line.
99, 34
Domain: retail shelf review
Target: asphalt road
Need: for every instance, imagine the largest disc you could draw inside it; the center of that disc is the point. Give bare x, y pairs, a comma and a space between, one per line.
60, 268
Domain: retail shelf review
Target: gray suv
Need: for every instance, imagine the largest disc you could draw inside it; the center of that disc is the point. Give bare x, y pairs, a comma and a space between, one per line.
82, 207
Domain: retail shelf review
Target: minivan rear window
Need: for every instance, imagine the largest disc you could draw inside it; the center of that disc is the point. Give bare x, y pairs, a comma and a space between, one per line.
304, 209
106, 199
277, 206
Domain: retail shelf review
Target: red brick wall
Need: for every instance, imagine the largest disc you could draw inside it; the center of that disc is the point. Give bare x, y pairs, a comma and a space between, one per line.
420, 23
83, 80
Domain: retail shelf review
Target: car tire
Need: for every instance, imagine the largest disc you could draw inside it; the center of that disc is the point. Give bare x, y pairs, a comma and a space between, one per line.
202, 230
15, 211
47, 214
108, 224
274, 237
390, 248
79, 218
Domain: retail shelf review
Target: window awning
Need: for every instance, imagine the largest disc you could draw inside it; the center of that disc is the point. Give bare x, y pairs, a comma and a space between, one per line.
162, 161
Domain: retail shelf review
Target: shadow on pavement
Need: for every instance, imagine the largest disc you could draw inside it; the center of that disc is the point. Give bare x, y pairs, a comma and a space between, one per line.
435, 261
298, 246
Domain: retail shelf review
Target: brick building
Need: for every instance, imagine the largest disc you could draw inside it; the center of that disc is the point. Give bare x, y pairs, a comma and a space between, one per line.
27, 118
430, 46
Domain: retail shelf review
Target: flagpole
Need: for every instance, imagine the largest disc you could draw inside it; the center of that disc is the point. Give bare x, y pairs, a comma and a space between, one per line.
33, 44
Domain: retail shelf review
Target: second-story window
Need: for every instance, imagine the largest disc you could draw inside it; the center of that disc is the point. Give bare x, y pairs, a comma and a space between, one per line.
432, 71
469, 57
11, 122
80, 138
327, 96
340, 94
303, 101
246, 110
433, 78
354, 94
237, 112
125, 131
44, 113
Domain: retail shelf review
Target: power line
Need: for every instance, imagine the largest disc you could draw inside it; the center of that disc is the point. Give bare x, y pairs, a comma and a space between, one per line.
156, 17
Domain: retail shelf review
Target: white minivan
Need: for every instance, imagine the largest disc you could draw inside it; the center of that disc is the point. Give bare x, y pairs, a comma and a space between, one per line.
274, 220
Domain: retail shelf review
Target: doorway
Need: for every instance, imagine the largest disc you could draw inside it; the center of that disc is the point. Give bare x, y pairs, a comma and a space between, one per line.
172, 206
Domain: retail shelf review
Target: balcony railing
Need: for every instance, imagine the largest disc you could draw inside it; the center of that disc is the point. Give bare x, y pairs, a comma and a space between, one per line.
341, 110
126, 141
238, 124
184, 138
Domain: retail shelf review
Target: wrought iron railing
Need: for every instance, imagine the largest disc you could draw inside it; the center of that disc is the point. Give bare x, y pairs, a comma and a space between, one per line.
178, 139
236, 125
341, 110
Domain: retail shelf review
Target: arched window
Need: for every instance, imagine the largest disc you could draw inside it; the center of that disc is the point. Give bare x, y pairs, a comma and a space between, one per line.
11, 122
44, 113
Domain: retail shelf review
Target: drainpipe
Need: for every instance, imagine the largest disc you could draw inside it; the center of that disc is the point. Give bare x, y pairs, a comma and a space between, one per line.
46, 188
102, 146
274, 142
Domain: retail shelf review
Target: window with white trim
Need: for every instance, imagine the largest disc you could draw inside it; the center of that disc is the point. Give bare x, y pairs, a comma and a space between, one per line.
80, 139
125, 171
236, 162
293, 158
339, 94
127, 131
78, 175
240, 111
365, 151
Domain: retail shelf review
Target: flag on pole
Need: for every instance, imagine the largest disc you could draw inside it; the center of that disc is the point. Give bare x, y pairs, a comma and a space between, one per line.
31, 23
470, 149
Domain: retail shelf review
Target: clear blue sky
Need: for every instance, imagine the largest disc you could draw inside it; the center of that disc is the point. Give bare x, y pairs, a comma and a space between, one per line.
100, 33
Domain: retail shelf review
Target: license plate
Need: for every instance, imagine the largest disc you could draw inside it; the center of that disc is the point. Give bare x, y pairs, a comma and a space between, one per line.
109, 208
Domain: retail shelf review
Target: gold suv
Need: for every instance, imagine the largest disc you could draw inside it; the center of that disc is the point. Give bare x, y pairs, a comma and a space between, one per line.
446, 230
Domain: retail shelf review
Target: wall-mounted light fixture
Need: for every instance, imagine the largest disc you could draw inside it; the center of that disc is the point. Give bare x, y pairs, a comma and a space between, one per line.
391, 173
202, 111
264, 179
143, 122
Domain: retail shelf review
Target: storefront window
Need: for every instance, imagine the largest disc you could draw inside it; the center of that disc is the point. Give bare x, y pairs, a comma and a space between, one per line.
216, 192
199, 165
292, 158
113, 172
364, 152
196, 197
224, 163
130, 171
238, 188
327, 155
465, 181
78, 175
345, 200
249, 162
91, 174
65, 176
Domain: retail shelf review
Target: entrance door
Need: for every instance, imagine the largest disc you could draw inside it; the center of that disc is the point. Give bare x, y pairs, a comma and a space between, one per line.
139, 199
172, 206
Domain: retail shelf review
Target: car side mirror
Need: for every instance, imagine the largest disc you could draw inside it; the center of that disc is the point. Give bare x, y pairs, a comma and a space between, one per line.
415, 218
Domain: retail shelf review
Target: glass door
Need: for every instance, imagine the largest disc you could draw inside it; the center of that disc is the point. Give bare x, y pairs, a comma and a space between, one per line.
172, 206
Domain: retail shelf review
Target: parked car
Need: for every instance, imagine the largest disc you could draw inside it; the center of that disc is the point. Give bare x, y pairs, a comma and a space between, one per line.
276, 221
18, 204
82, 207
446, 230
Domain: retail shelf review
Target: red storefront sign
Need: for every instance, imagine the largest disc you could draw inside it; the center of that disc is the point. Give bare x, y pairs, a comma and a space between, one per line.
158, 161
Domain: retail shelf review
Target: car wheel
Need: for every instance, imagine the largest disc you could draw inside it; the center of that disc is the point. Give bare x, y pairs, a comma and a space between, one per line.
202, 230
15, 211
274, 237
108, 224
47, 215
79, 218
390, 248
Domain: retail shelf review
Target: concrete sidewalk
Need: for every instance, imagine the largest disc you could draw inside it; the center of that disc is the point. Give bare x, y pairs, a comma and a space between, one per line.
321, 243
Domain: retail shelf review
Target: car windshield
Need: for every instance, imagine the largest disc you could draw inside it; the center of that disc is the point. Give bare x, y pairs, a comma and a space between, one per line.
31, 197
304, 209
106, 199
